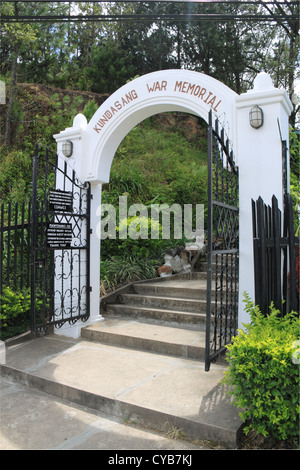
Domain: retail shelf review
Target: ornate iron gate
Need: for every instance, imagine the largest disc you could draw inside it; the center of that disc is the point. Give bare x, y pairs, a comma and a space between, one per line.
60, 285
222, 244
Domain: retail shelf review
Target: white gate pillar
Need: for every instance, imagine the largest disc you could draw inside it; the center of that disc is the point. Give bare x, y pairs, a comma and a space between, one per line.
77, 161
259, 154
95, 221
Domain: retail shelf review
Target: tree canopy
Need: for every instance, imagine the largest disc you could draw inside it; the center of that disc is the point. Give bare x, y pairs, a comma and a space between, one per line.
98, 46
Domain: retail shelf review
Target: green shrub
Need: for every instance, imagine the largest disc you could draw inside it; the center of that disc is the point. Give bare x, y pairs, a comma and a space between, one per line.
122, 269
14, 312
138, 232
263, 373
14, 166
89, 110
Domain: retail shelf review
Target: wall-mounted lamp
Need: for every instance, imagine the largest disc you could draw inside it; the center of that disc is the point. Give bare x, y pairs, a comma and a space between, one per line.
67, 148
256, 117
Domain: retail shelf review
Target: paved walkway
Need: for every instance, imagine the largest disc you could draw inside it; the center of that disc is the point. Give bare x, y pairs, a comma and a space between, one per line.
33, 420
111, 386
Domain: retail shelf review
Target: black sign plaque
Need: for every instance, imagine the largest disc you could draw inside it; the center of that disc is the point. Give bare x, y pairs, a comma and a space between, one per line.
60, 201
59, 235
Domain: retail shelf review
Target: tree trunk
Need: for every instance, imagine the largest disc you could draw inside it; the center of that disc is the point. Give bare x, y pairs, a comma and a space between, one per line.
13, 81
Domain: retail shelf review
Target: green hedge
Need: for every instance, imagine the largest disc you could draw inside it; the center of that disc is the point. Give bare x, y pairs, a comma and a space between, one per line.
14, 312
263, 373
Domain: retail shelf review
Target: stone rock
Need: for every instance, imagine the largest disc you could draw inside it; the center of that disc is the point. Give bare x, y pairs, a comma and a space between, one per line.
164, 270
185, 256
176, 264
177, 261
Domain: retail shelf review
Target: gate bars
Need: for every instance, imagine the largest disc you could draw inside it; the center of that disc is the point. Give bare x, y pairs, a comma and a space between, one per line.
15, 245
222, 244
276, 256
60, 233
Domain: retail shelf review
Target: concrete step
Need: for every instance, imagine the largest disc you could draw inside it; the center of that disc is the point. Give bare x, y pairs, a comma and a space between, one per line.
164, 302
151, 313
156, 390
182, 289
153, 337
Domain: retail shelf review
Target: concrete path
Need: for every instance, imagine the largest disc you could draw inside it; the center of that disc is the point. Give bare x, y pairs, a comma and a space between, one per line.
33, 420
159, 392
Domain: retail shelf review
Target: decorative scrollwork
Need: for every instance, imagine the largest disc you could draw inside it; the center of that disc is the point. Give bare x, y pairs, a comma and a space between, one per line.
63, 271
223, 244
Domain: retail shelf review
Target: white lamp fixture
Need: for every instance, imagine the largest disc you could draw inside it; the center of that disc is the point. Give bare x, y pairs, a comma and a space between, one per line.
67, 148
256, 117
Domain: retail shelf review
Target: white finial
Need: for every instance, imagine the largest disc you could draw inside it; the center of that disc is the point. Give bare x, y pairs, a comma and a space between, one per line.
79, 121
263, 81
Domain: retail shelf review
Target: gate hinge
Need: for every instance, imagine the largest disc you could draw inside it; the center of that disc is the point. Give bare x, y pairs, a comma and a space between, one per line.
91, 289
90, 231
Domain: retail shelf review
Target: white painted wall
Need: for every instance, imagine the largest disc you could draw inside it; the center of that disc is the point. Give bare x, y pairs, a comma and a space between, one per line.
260, 167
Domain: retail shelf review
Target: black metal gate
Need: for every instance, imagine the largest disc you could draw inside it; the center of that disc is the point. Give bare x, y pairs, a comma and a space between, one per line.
274, 248
60, 232
222, 244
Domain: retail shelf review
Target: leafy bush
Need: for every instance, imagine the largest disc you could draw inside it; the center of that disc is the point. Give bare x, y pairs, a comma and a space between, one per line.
263, 374
139, 231
14, 312
125, 268
13, 166
89, 110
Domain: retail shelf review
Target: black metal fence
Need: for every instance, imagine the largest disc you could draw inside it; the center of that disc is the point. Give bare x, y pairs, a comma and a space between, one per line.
15, 268
44, 250
276, 256
15, 246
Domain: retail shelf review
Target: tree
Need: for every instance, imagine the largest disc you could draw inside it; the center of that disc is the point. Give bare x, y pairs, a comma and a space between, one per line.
17, 37
97, 55
110, 67
284, 58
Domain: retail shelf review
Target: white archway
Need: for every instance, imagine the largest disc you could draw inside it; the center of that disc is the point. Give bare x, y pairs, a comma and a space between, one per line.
168, 90
258, 152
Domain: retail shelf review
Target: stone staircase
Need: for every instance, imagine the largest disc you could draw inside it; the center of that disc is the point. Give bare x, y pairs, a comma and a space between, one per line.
163, 321
164, 315
144, 364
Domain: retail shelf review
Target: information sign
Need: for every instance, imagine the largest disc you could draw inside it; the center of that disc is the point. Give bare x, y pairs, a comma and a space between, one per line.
59, 235
60, 201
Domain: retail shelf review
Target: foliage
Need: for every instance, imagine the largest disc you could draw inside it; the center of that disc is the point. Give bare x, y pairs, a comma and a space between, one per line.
135, 235
263, 374
163, 144
13, 166
294, 152
294, 177
102, 55
14, 312
126, 267
295, 193
90, 109
118, 67
181, 179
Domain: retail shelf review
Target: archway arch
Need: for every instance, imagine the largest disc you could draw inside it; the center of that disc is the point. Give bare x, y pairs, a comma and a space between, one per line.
163, 91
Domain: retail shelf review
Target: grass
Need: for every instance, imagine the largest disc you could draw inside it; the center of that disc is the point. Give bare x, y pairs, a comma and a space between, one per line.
155, 160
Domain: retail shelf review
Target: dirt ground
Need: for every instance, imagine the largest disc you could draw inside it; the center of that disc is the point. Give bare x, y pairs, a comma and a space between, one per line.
258, 442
